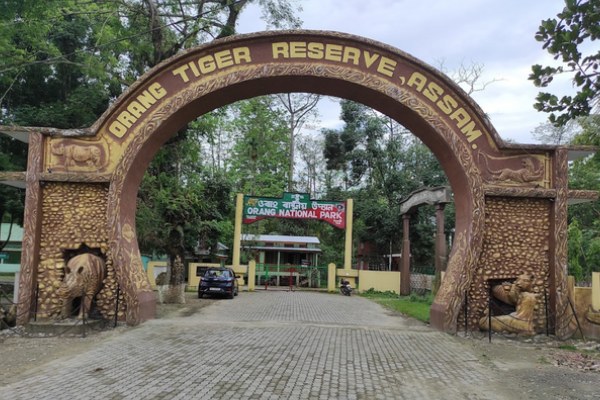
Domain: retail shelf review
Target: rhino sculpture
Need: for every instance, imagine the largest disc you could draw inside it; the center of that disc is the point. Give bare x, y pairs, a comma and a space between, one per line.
83, 278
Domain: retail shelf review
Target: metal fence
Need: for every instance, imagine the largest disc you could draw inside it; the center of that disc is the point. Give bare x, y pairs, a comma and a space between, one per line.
297, 276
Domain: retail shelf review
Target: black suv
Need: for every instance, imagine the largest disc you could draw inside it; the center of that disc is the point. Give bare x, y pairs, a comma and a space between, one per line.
219, 281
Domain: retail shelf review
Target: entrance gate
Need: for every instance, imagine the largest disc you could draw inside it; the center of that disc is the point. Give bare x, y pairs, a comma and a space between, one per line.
81, 185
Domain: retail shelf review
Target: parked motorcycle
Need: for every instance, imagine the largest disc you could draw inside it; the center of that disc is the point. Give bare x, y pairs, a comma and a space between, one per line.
345, 288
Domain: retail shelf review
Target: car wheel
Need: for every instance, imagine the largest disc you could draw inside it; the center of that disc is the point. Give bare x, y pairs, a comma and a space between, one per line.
200, 295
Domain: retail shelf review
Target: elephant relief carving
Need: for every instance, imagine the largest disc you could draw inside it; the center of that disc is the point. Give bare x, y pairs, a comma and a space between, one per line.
83, 279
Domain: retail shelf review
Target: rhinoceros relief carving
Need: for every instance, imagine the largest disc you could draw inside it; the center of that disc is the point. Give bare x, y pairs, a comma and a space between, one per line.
70, 155
83, 279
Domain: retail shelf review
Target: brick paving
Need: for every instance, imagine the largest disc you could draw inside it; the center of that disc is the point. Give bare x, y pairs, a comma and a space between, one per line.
270, 345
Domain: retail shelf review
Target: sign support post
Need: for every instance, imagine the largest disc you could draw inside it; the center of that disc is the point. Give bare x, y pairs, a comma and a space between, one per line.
237, 230
348, 242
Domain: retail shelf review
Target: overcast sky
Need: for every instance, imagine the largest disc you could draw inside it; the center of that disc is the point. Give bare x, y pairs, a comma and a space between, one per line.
496, 34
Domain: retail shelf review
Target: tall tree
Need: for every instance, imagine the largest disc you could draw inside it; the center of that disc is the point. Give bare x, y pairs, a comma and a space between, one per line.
299, 108
565, 38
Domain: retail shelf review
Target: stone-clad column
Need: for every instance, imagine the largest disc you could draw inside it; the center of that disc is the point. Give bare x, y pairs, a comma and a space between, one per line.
559, 295
32, 223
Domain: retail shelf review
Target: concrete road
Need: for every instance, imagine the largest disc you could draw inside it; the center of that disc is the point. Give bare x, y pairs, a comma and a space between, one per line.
274, 345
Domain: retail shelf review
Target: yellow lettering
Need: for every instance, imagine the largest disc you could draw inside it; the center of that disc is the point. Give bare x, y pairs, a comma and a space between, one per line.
417, 80
461, 117
281, 49
207, 64
223, 59
241, 54
117, 129
433, 91
126, 119
470, 132
447, 104
298, 50
315, 50
194, 69
181, 72
157, 90
370, 59
351, 54
333, 52
386, 66
136, 109
146, 99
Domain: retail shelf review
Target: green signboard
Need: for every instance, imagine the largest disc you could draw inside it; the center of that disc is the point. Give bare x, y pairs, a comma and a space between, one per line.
294, 206
3, 256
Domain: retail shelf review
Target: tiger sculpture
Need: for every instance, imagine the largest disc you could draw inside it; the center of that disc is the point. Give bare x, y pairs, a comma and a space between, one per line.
84, 275
520, 321
518, 294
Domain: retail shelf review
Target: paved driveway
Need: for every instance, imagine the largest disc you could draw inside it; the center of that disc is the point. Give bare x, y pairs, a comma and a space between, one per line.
272, 345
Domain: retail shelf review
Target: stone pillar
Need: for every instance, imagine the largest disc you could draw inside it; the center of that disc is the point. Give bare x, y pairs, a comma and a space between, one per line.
348, 241
405, 270
331, 278
237, 230
251, 275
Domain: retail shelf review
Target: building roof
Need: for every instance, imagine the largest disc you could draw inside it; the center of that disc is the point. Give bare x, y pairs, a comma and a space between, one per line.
286, 249
247, 237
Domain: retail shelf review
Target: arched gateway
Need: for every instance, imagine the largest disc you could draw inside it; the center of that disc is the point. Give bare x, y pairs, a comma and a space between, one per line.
511, 201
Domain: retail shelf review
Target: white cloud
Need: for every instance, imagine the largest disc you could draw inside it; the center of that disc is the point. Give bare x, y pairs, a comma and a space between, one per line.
496, 34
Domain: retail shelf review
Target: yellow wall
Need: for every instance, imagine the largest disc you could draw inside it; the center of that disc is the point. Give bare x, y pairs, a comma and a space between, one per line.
155, 268
381, 281
194, 281
348, 274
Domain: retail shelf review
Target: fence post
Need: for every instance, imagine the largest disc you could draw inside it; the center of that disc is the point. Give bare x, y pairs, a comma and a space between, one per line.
466, 312
546, 310
37, 296
490, 315
117, 306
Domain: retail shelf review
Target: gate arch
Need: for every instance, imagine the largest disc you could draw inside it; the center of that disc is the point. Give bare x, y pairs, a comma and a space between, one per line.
120, 145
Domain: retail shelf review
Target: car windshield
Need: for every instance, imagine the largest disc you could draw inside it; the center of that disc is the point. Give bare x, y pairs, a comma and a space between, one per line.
218, 273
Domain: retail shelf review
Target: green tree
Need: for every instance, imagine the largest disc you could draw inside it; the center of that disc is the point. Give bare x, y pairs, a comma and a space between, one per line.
260, 162
384, 163
585, 174
51, 72
575, 251
178, 206
565, 38
13, 157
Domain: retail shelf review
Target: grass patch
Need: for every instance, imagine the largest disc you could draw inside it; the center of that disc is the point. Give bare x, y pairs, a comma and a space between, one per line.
414, 306
569, 347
